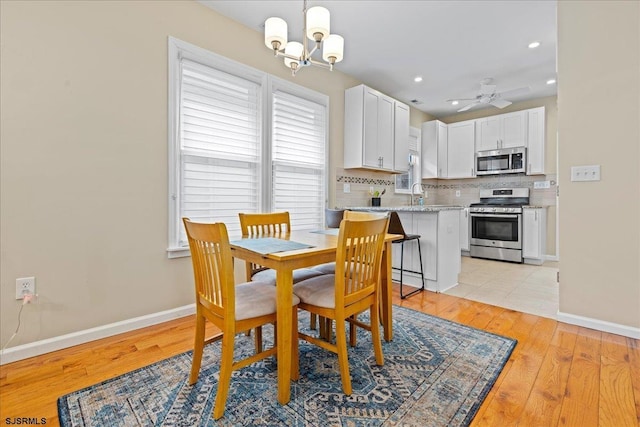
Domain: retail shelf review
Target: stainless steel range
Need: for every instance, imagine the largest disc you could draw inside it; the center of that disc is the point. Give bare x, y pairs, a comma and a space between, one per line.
496, 224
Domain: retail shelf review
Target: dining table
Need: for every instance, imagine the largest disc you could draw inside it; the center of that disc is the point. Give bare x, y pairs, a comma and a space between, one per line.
285, 252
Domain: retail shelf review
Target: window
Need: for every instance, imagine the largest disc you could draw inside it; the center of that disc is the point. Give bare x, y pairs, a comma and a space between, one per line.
241, 140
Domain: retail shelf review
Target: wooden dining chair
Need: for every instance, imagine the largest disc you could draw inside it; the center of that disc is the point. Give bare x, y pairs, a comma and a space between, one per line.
330, 267
353, 289
269, 225
232, 308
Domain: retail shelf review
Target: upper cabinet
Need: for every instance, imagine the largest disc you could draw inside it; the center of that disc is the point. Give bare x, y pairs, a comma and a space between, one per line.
461, 150
502, 131
434, 149
536, 141
401, 137
448, 151
374, 124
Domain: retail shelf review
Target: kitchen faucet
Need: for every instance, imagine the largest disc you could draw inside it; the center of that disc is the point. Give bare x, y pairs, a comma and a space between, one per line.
412, 193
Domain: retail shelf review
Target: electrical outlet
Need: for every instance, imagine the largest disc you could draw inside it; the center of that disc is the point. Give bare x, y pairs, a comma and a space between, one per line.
457, 193
24, 286
346, 188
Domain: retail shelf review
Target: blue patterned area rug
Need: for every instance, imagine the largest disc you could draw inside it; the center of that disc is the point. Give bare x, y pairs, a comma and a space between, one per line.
436, 373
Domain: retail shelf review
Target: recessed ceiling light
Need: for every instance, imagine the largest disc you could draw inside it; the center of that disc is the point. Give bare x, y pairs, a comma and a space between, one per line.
418, 79
454, 103
534, 45
551, 81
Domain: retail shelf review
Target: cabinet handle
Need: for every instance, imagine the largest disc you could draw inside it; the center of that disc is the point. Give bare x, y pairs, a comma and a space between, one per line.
529, 170
536, 212
472, 172
440, 172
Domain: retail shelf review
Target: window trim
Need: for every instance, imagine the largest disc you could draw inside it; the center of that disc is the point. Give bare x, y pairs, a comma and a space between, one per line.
178, 49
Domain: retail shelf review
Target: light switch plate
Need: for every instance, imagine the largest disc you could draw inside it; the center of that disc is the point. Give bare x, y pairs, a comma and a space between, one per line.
585, 173
346, 188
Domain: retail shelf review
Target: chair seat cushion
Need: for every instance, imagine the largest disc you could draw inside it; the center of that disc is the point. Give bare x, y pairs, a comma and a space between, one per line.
328, 268
318, 291
254, 299
299, 275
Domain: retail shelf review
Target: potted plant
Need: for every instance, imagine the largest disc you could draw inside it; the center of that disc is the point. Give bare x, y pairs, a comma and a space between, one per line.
375, 196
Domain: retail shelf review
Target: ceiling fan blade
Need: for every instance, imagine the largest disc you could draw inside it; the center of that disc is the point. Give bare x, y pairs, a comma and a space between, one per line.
487, 89
514, 92
461, 99
500, 103
467, 107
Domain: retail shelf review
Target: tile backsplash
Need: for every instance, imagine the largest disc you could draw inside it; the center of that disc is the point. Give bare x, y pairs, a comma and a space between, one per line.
439, 191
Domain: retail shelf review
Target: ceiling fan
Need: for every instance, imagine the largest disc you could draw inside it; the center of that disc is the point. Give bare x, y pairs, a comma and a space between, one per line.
488, 95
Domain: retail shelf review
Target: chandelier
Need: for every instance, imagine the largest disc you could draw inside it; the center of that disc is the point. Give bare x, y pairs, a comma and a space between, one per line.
316, 28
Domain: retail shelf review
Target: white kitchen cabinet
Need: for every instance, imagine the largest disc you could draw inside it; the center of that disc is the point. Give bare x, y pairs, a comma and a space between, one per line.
536, 141
464, 230
534, 232
461, 149
439, 232
434, 149
401, 137
502, 131
371, 128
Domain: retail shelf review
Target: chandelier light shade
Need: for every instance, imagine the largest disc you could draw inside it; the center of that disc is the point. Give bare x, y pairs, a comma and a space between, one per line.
275, 33
317, 25
333, 49
293, 49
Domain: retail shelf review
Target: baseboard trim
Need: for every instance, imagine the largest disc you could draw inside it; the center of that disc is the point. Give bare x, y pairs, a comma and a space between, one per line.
13, 354
551, 258
599, 325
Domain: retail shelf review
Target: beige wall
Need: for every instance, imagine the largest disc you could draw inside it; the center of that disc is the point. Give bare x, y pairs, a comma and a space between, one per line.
84, 154
83, 157
599, 123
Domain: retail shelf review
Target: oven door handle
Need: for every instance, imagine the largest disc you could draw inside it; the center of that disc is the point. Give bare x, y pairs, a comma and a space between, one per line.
484, 215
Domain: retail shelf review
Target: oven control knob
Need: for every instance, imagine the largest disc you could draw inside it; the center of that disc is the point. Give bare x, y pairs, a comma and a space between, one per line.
494, 209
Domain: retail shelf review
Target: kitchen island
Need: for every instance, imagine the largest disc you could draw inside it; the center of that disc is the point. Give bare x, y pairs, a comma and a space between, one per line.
439, 230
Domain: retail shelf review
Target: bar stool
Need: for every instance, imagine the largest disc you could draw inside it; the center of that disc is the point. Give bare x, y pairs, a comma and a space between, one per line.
333, 217
395, 227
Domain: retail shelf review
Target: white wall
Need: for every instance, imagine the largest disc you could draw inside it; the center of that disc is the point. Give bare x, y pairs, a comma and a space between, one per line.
599, 123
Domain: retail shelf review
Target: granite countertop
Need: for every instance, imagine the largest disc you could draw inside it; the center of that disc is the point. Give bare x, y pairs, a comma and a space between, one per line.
425, 208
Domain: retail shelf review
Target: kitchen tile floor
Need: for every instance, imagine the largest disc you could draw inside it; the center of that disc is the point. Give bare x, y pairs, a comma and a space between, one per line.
528, 288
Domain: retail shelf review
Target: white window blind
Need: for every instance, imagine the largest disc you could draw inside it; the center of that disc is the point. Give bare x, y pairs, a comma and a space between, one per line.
299, 159
241, 140
220, 146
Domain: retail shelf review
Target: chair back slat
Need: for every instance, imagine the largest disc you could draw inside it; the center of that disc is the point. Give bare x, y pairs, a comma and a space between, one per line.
359, 258
258, 224
212, 266
263, 224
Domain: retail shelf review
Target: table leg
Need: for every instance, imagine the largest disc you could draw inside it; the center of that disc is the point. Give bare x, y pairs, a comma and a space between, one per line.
386, 290
284, 285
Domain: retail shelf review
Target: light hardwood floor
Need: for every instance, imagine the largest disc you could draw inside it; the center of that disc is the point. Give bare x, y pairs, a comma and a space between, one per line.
558, 374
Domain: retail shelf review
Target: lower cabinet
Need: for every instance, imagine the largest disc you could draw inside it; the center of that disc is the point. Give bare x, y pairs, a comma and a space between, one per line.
534, 235
440, 245
464, 231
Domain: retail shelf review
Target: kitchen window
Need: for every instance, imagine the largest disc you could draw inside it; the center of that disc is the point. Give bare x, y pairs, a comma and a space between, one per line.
241, 140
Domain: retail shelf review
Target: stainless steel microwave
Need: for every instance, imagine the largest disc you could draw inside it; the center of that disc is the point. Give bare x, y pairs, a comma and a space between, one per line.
496, 162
